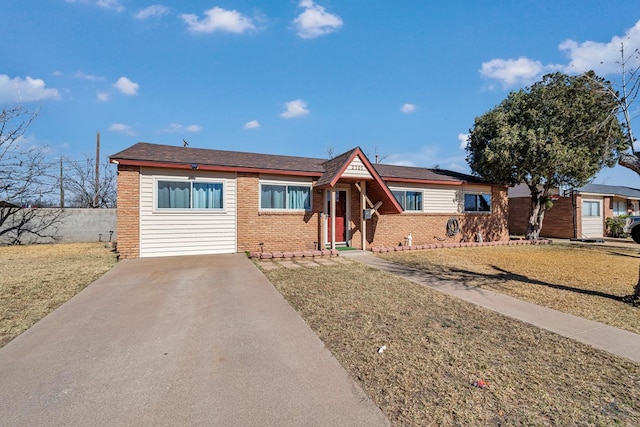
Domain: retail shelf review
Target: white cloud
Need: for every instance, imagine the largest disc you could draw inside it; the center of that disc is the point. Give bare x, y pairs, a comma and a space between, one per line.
180, 128
514, 72
89, 77
603, 58
105, 4
297, 108
408, 108
103, 96
315, 21
253, 124
153, 11
218, 19
110, 4
17, 89
126, 86
123, 129
464, 140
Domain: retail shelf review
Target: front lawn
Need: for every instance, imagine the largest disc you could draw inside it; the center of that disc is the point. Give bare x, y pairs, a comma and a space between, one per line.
37, 279
438, 346
585, 280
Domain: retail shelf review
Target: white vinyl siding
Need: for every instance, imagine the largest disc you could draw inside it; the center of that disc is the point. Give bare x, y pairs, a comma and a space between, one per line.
357, 169
169, 232
441, 200
592, 222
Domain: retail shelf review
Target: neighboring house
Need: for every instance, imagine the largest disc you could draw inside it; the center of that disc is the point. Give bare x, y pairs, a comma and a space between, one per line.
180, 200
576, 213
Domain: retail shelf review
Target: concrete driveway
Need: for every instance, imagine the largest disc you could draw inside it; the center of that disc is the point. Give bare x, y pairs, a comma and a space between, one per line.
198, 340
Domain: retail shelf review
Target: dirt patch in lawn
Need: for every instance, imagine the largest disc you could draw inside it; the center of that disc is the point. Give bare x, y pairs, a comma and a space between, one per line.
438, 346
587, 281
37, 279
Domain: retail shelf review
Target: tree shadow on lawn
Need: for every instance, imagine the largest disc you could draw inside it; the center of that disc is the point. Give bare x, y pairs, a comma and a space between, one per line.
623, 254
467, 278
506, 275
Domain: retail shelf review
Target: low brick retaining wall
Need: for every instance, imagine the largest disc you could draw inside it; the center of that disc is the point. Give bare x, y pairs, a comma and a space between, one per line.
461, 245
334, 252
297, 254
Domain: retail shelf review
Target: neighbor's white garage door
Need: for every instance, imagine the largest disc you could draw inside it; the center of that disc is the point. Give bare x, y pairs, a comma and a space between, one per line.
592, 222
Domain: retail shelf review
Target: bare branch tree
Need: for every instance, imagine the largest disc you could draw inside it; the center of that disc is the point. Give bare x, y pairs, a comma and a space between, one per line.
629, 87
81, 183
625, 91
24, 179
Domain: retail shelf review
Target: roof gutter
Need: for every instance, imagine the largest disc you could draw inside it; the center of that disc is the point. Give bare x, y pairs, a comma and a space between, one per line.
212, 168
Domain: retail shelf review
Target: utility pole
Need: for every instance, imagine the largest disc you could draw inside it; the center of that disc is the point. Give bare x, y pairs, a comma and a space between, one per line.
96, 200
61, 186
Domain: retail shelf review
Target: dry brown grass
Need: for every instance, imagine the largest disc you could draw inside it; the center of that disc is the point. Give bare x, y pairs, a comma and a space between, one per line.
587, 281
437, 346
36, 279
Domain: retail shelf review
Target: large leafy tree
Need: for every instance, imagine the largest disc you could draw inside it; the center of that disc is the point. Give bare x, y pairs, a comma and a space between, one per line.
559, 132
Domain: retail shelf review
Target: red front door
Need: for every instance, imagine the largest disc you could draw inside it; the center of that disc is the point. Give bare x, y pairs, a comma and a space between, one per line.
341, 216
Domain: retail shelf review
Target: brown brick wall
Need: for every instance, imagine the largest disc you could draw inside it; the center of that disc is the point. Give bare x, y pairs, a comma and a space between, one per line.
425, 228
279, 231
128, 215
558, 221
284, 231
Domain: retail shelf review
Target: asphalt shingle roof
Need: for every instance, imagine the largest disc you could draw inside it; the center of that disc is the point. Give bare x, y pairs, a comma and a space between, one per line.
146, 152
156, 153
627, 192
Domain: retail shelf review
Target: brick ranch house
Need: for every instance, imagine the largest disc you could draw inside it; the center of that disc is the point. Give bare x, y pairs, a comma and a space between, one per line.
185, 201
576, 213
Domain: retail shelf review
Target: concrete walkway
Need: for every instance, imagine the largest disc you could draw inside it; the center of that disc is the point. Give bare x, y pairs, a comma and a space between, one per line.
599, 335
196, 340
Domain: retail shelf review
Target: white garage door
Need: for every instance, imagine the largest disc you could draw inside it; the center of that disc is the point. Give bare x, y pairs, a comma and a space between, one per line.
187, 215
592, 222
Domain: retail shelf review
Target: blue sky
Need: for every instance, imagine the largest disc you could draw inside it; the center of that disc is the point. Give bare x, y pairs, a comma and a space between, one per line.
404, 78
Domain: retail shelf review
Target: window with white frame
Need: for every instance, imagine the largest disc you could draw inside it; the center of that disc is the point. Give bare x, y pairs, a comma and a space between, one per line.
477, 202
285, 196
189, 195
590, 208
409, 200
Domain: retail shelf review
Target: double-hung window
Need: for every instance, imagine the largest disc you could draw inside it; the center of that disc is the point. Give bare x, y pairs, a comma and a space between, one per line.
189, 195
409, 200
477, 202
590, 208
285, 196
619, 208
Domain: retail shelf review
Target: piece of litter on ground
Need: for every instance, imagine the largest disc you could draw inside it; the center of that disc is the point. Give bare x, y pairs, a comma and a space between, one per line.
382, 349
480, 384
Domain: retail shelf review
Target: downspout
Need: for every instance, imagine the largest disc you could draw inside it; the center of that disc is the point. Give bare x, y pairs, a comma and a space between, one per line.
573, 214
